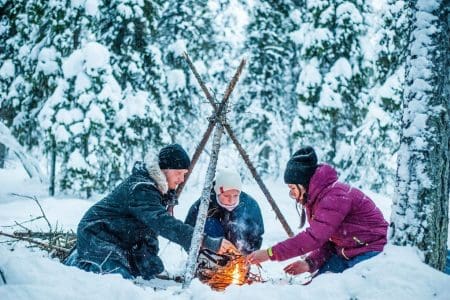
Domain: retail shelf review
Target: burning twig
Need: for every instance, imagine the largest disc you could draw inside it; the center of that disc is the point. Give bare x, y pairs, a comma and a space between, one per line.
234, 272
220, 271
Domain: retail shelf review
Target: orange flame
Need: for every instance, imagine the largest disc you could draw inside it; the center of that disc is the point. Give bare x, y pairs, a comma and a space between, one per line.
234, 272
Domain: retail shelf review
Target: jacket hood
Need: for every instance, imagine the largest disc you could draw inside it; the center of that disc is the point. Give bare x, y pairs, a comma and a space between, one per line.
324, 176
150, 167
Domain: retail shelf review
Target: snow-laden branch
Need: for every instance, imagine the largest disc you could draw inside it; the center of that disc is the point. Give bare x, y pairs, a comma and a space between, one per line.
30, 164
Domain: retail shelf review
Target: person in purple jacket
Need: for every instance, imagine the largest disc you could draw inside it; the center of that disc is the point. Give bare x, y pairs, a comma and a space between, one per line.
345, 226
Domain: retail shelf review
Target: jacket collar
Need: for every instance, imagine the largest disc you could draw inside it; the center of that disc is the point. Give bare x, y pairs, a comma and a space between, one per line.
154, 171
324, 177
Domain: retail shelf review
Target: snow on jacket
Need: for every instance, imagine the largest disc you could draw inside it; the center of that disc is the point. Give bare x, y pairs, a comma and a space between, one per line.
342, 220
132, 214
243, 226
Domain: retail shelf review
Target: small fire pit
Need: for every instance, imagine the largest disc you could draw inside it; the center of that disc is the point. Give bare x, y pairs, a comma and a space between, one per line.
220, 271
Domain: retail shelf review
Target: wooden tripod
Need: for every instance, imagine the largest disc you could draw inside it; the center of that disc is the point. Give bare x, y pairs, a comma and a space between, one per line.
217, 117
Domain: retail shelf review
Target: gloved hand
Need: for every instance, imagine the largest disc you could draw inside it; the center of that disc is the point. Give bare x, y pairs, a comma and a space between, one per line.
297, 267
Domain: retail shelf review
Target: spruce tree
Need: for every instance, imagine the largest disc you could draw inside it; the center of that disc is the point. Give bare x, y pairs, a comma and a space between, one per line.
420, 209
374, 167
21, 100
128, 29
263, 111
185, 26
81, 115
334, 78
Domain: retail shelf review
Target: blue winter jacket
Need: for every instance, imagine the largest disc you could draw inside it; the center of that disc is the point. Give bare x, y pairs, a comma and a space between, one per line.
243, 226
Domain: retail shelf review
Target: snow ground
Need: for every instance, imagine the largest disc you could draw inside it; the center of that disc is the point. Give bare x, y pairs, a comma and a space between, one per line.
397, 273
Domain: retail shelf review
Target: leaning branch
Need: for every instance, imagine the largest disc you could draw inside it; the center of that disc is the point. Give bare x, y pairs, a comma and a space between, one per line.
42, 245
230, 132
40, 208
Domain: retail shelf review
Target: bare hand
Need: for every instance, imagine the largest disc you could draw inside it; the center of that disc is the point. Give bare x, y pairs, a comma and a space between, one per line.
257, 257
297, 267
228, 248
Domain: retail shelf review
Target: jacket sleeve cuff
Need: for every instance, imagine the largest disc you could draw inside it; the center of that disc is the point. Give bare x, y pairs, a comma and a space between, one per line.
270, 253
312, 265
212, 244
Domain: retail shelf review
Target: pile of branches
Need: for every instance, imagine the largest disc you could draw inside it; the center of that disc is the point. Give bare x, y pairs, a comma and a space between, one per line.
57, 242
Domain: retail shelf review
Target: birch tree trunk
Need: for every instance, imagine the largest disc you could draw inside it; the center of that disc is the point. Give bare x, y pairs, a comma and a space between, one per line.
203, 208
420, 209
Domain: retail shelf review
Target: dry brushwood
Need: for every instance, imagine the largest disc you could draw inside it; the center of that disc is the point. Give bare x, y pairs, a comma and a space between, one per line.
55, 241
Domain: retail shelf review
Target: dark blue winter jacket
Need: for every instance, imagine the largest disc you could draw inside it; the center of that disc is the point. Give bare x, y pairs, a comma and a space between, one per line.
243, 226
124, 226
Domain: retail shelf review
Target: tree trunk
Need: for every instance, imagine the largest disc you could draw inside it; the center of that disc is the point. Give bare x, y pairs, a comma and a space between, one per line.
420, 210
86, 154
52, 168
2, 155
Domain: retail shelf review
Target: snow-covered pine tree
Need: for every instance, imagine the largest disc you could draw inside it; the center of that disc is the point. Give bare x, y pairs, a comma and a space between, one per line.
185, 26
420, 209
385, 48
64, 28
332, 85
20, 100
81, 115
228, 19
127, 29
263, 111
11, 13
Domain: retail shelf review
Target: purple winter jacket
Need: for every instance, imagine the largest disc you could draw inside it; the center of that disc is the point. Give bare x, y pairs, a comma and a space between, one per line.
342, 220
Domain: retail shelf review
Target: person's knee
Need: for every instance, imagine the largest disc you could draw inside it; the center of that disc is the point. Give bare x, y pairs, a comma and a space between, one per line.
109, 267
335, 264
145, 261
362, 257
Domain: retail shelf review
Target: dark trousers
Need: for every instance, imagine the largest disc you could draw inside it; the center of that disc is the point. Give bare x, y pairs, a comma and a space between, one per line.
139, 261
338, 264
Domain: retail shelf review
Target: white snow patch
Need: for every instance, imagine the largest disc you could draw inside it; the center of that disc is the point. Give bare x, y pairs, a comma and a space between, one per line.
397, 273
47, 61
310, 77
7, 70
176, 79
91, 7
178, 47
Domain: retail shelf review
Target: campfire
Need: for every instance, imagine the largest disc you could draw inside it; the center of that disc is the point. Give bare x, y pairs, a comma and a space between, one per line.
220, 271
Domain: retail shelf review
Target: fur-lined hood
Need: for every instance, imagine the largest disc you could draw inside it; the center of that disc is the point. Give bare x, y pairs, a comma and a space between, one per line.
155, 172
150, 167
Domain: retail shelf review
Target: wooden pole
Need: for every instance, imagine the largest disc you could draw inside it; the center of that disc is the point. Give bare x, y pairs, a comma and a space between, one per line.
212, 120
204, 200
197, 235
258, 179
233, 137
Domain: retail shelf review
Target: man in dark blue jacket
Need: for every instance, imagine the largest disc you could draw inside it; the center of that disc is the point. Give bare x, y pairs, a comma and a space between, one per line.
232, 213
119, 234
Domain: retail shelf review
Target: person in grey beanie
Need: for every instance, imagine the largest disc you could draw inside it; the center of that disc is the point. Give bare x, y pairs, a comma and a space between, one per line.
119, 234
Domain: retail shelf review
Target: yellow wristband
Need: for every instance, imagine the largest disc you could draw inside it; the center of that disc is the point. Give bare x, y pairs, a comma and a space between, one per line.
269, 252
